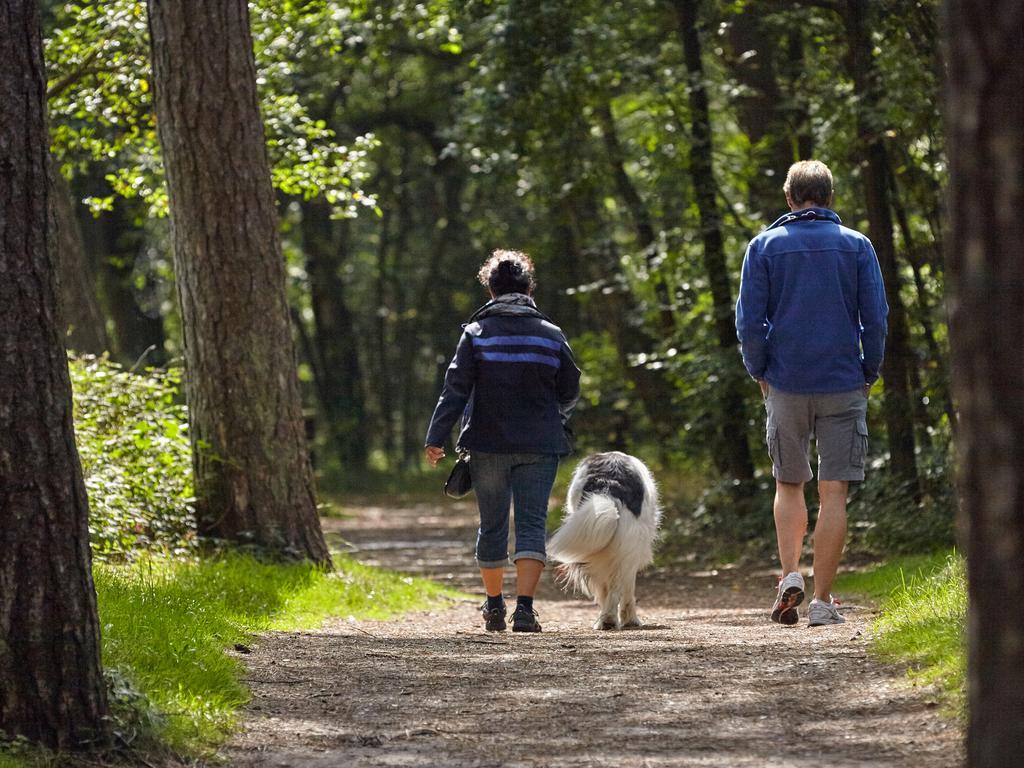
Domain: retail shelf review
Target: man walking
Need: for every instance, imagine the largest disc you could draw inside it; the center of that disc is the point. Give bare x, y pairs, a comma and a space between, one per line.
811, 320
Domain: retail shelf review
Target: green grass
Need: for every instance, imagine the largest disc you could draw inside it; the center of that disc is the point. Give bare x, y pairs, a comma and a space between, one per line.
167, 626
922, 620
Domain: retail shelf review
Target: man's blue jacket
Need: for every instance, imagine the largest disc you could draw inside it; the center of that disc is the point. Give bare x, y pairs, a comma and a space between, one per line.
811, 314
513, 380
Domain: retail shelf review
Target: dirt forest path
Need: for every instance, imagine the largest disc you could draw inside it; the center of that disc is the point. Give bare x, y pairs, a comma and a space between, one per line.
708, 682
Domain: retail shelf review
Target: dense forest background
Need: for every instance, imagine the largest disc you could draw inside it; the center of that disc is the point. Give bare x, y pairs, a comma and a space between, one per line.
631, 148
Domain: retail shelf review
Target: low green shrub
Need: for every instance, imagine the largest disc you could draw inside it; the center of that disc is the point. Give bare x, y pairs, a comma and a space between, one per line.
132, 435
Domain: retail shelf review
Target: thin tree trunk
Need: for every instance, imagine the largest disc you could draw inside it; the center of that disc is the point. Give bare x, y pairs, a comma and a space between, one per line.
86, 326
925, 310
339, 374
733, 447
113, 244
986, 277
645, 236
382, 341
253, 477
616, 312
763, 111
896, 405
51, 683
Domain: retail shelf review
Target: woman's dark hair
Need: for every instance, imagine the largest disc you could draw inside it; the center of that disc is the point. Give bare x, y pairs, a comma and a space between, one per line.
507, 272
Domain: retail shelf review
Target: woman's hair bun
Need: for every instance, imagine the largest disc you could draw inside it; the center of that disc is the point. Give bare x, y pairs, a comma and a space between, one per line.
509, 268
507, 272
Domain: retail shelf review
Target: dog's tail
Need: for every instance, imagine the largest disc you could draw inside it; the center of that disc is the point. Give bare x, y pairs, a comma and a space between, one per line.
586, 531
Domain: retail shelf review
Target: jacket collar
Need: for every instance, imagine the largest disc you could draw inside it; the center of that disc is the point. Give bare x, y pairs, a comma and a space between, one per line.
509, 305
807, 214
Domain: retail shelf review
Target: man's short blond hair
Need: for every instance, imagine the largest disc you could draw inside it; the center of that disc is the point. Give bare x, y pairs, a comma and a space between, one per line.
809, 181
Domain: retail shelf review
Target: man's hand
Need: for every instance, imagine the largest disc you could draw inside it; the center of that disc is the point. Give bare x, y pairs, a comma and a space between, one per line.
434, 454
764, 388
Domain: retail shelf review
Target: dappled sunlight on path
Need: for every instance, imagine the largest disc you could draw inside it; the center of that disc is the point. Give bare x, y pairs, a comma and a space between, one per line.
708, 682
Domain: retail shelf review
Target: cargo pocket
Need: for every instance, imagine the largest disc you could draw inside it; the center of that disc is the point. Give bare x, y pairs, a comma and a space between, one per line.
773, 445
859, 449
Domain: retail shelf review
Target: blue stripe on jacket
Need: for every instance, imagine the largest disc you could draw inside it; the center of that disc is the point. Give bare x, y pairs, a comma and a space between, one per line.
516, 341
519, 357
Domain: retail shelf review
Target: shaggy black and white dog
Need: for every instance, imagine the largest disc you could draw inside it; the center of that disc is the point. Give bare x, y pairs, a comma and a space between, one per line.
607, 536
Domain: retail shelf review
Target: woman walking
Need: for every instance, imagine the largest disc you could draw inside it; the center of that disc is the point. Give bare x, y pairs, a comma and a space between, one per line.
514, 382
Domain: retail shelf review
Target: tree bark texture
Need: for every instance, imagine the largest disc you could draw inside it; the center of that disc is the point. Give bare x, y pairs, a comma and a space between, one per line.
253, 477
733, 447
896, 405
51, 684
985, 272
86, 327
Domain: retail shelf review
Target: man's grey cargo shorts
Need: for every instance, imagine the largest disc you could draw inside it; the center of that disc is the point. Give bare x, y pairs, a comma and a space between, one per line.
838, 423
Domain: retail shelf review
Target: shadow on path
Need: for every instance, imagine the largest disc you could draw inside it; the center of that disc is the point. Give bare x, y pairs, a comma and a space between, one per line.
709, 682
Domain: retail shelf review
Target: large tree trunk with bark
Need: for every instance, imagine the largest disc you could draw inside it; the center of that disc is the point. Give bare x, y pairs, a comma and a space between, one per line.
51, 684
986, 277
732, 446
896, 405
253, 477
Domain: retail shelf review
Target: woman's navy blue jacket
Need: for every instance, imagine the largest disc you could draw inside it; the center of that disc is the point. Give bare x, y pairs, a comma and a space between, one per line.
513, 380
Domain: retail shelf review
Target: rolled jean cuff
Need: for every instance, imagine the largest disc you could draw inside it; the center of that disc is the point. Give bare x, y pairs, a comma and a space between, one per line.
491, 563
528, 555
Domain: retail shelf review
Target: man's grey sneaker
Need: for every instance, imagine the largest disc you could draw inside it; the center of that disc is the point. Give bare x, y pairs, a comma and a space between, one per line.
524, 620
494, 618
791, 594
820, 613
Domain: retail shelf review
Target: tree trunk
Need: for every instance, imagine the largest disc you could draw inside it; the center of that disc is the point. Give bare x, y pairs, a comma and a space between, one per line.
86, 326
733, 447
645, 236
253, 477
51, 683
924, 312
986, 278
763, 111
113, 244
896, 405
337, 366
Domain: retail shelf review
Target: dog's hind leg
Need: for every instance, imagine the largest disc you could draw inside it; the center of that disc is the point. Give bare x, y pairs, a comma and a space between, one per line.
627, 607
606, 600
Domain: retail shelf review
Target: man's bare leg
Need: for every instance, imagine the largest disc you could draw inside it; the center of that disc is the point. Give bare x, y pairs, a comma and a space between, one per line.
829, 535
790, 523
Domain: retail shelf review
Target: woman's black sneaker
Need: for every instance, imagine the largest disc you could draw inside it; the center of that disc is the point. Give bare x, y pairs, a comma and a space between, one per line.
524, 620
494, 618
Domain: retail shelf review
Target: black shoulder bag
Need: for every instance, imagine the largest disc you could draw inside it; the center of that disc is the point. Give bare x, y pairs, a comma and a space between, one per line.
460, 481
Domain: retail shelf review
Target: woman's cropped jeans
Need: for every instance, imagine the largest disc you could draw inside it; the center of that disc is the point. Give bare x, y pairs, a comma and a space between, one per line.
500, 479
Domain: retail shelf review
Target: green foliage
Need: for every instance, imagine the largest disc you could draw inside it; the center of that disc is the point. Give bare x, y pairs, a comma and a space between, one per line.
555, 127
923, 619
132, 436
167, 623
101, 103
885, 516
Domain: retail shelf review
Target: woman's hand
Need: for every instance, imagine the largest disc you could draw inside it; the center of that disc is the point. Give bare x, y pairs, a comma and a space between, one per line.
434, 454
